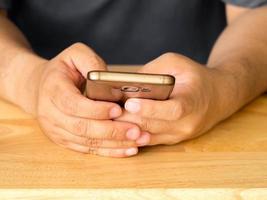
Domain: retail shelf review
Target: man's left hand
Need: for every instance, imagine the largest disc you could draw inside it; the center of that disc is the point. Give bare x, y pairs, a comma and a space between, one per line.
193, 108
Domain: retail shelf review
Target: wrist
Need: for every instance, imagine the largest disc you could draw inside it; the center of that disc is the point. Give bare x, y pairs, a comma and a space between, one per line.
26, 69
227, 96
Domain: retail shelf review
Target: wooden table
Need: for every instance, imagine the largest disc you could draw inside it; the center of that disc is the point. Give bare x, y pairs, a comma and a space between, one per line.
233, 155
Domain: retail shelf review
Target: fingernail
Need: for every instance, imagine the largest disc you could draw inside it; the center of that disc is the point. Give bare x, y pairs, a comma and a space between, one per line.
132, 106
133, 133
131, 151
144, 139
115, 112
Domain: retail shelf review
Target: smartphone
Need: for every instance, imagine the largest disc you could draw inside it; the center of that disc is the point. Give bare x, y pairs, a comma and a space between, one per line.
119, 86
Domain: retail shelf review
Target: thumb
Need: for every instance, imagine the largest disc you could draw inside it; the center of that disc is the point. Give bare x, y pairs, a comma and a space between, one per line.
82, 58
168, 63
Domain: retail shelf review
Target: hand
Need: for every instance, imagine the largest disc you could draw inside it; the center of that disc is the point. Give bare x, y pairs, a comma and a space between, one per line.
74, 121
192, 109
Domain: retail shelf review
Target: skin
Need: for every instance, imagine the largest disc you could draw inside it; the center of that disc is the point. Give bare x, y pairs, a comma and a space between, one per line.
54, 98
235, 74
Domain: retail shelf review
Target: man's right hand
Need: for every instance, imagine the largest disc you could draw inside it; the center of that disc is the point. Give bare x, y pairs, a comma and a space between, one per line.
76, 122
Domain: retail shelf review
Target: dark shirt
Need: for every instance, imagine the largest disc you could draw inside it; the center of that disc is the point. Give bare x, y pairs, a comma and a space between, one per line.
123, 31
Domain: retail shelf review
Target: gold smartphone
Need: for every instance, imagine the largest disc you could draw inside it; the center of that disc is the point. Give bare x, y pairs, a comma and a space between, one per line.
119, 86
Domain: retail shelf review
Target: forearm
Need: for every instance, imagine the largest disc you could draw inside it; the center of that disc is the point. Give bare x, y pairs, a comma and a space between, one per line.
19, 74
240, 57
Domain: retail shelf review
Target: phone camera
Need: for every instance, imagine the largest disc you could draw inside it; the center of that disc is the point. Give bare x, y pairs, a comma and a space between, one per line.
130, 89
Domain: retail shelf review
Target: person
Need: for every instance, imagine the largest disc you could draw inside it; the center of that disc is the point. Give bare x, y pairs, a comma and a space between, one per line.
217, 51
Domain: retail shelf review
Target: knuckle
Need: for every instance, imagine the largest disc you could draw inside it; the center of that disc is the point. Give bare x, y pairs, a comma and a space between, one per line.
180, 59
175, 57
94, 142
113, 133
144, 124
92, 151
80, 127
169, 55
93, 58
79, 45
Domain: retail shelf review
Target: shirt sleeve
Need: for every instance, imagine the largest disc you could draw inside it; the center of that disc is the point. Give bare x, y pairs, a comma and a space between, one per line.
247, 3
5, 4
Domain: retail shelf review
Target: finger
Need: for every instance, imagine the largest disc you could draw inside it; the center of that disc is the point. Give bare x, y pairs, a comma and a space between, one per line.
58, 134
159, 131
167, 139
147, 124
68, 99
144, 139
185, 71
82, 58
172, 109
92, 142
117, 153
184, 128
100, 129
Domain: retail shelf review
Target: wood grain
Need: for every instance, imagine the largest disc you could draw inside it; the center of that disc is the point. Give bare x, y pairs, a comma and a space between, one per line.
233, 155
136, 194
29, 159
